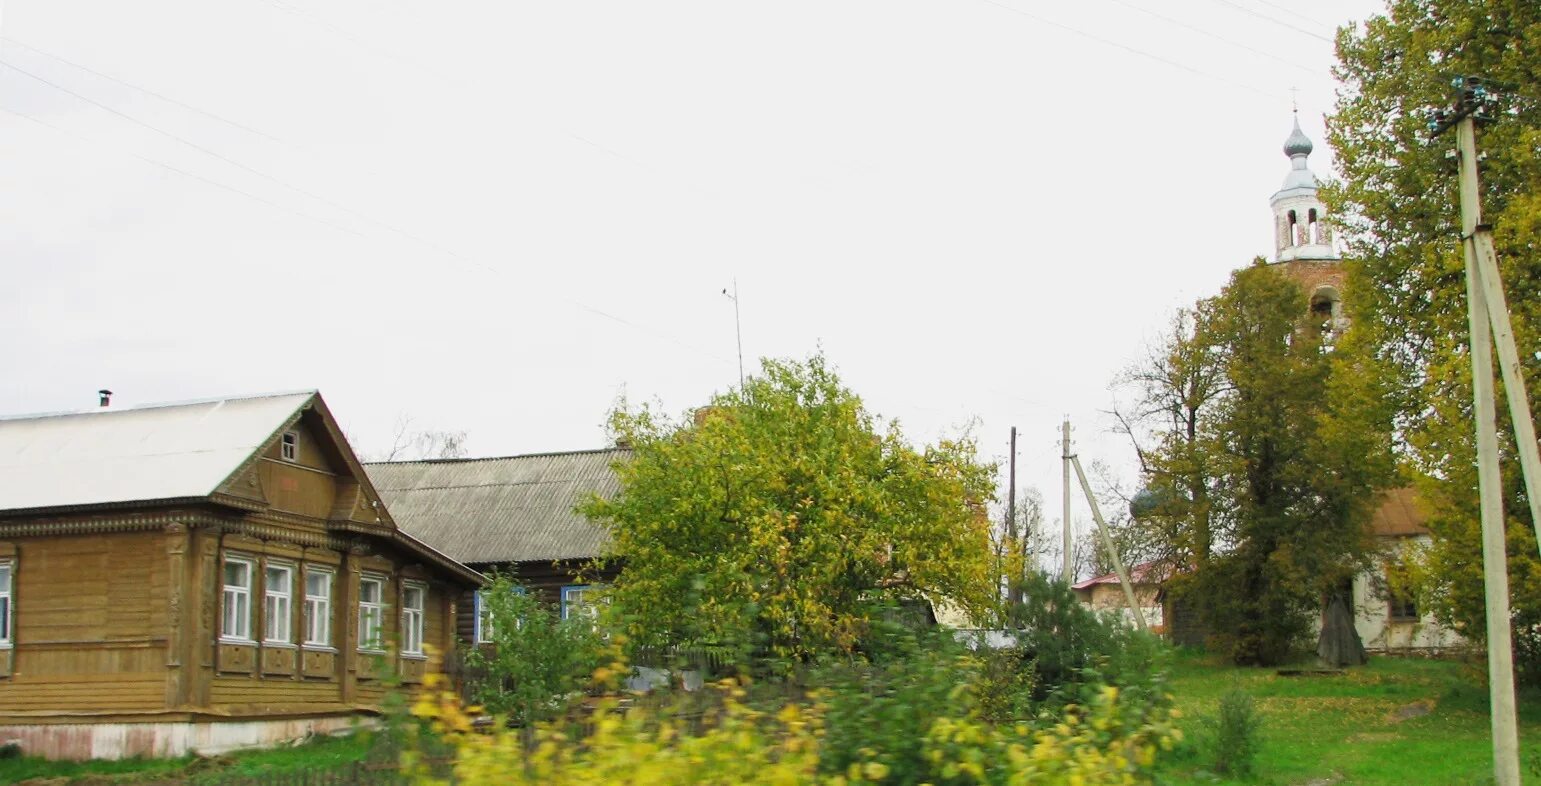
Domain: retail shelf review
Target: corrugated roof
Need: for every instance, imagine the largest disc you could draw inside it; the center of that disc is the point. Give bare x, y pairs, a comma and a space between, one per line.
134, 454
510, 509
1144, 573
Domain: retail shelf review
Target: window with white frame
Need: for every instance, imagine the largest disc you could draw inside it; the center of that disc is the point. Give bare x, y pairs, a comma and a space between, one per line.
580, 599
318, 607
6, 569
483, 619
278, 603
414, 600
289, 446
371, 612
238, 577
484, 625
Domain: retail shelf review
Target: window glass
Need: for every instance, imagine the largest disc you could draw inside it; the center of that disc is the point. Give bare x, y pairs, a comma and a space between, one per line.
237, 599
318, 607
278, 607
580, 599
5, 604
484, 628
413, 601
370, 613
289, 446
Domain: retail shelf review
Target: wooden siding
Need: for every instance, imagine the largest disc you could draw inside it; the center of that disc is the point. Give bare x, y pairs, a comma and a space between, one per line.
90, 624
307, 486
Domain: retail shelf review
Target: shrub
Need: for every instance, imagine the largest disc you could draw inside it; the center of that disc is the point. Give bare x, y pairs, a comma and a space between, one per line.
537, 661
1068, 649
1235, 730
880, 711
1092, 745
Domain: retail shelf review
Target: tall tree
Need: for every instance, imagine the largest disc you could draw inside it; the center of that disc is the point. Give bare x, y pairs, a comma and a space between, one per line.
775, 519
1398, 199
1176, 388
1264, 464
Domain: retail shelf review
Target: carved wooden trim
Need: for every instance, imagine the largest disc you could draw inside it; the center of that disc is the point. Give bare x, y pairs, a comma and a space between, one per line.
127, 523
177, 538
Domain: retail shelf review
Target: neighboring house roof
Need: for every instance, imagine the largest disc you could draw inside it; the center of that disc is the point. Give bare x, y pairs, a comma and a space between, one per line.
509, 509
1400, 513
1144, 573
135, 454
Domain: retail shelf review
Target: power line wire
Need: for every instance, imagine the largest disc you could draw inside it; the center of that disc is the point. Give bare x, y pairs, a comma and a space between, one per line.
465, 261
1279, 22
1296, 12
1216, 36
187, 174
1132, 50
234, 163
147, 91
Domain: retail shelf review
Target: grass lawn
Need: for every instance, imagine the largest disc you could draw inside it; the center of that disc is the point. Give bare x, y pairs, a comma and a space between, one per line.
320, 754
1351, 729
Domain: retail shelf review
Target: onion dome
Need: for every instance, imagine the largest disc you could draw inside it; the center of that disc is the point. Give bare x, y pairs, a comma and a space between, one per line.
1298, 143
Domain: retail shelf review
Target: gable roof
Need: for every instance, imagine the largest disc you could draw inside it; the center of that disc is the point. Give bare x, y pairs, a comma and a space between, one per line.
1400, 513
1143, 573
509, 509
135, 454
184, 451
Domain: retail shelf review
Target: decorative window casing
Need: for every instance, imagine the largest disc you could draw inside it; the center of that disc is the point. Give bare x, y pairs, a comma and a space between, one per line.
239, 574
414, 602
278, 603
579, 599
289, 446
371, 613
485, 629
7, 608
318, 607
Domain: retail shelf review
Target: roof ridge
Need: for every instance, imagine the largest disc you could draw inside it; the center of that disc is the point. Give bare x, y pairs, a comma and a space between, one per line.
469, 459
157, 405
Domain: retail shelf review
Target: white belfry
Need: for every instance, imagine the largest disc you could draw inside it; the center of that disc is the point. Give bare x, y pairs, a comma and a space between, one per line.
1301, 230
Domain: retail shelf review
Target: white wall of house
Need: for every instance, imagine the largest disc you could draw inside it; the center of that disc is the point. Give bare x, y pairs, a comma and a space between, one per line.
1382, 633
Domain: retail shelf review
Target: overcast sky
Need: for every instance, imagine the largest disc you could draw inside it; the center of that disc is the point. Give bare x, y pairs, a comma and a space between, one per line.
497, 217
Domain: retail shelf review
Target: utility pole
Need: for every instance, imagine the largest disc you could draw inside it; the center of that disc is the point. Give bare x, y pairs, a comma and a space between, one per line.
1107, 543
1066, 572
1011, 485
1014, 583
1488, 317
738, 328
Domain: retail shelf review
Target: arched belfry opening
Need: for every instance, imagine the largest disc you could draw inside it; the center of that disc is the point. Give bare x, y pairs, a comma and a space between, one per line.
1327, 304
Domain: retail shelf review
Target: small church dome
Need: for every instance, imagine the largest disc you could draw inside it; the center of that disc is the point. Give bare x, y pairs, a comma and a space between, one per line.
1298, 143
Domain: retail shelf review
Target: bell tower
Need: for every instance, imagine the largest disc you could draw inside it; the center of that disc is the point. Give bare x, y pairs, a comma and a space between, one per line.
1303, 237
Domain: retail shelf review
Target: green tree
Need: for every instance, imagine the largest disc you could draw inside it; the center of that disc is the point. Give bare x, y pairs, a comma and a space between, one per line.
1264, 484
534, 660
775, 520
1175, 390
1398, 201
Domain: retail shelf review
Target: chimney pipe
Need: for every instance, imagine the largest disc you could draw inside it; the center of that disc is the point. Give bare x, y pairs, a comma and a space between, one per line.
105, 397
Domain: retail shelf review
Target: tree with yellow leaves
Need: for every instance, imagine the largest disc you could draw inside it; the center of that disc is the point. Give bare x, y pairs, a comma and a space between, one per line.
775, 521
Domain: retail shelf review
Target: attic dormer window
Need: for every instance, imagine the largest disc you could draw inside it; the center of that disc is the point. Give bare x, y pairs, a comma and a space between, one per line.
289, 446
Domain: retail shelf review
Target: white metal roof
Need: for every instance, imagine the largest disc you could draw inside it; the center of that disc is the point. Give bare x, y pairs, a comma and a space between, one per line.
133, 454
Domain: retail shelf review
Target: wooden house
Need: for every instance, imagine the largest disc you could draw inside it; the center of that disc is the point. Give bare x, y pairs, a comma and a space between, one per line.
200, 577
514, 514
